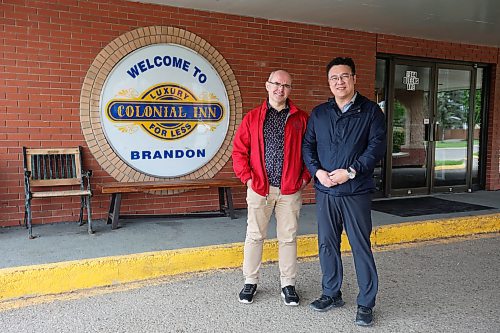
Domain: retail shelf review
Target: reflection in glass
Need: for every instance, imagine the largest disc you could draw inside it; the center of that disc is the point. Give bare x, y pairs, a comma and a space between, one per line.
452, 130
411, 112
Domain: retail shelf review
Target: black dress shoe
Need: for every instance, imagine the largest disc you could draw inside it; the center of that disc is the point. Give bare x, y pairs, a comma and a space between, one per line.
364, 316
325, 303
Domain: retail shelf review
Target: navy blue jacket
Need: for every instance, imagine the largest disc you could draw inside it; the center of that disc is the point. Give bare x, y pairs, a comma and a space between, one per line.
354, 139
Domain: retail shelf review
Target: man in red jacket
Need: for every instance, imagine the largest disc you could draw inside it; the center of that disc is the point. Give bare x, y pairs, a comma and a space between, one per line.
267, 157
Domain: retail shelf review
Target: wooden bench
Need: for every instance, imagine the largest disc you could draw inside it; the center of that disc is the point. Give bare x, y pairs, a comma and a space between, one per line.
116, 189
60, 168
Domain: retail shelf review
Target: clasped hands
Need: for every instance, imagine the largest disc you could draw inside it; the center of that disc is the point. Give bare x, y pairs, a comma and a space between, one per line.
333, 178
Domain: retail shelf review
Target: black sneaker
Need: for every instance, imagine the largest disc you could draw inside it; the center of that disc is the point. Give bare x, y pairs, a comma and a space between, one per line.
247, 293
325, 303
364, 316
290, 296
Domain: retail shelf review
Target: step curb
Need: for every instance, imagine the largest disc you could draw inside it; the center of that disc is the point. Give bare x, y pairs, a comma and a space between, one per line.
61, 277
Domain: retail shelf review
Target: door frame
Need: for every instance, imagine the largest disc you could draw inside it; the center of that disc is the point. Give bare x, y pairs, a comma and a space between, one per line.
393, 62
435, 64
470, 135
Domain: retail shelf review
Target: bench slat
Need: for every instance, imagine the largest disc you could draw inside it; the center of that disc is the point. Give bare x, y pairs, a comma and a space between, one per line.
55, 182
52, 151
174, 184
49, 194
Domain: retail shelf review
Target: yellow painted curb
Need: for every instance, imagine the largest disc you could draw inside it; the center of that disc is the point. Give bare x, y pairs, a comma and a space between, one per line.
434, 229
89, 273
68, 276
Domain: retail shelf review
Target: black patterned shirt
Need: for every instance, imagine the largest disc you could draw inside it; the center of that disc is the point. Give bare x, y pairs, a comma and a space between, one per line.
274, 141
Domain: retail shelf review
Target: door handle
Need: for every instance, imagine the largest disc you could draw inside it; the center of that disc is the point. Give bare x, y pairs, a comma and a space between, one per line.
436, 133
427, 132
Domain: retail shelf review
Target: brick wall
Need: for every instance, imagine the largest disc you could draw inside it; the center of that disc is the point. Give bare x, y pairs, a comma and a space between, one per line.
493, 162
46, 48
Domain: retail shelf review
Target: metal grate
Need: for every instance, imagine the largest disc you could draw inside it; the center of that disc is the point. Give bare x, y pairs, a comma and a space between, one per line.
55, 166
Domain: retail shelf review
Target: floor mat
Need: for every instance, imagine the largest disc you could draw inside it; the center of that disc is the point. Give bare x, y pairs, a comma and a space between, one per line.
423, 206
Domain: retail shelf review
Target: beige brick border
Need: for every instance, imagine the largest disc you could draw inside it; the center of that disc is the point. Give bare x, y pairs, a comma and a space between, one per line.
90, 118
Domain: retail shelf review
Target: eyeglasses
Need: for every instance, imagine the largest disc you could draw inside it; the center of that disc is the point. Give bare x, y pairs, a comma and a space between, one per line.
278, 85
343, 77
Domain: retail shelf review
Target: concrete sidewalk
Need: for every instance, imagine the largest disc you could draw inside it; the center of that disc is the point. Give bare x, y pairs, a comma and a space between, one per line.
66, 258
437, 286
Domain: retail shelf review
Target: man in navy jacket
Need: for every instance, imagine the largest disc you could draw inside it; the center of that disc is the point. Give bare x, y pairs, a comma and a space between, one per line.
344, 140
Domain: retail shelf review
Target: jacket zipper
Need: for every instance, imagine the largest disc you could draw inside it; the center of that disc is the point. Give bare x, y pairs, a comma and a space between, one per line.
284, 141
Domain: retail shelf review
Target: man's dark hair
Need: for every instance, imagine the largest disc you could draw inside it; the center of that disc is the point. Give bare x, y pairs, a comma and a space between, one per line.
341, 61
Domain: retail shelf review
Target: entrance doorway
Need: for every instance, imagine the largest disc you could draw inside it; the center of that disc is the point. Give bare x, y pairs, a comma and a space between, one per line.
434, 113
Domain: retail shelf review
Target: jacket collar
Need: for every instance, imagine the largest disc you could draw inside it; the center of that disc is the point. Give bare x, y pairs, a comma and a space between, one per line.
358, 100
293, 108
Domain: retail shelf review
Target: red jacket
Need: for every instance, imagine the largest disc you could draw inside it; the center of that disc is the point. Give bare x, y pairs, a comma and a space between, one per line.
248, 151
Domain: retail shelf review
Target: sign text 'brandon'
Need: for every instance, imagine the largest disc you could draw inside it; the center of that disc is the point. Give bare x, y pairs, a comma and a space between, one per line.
166, 154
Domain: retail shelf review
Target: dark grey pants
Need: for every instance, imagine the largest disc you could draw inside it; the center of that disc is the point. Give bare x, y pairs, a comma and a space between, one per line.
354, 214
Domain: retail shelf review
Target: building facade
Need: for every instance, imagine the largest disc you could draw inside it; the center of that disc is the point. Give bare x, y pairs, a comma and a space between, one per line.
442, 99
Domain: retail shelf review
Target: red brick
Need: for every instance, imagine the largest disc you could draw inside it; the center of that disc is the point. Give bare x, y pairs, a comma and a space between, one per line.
46, 52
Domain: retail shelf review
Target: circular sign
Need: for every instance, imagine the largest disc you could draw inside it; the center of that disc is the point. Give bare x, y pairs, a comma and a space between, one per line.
160, 102
164, 110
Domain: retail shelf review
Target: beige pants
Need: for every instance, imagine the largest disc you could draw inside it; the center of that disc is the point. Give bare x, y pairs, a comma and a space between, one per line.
286, 209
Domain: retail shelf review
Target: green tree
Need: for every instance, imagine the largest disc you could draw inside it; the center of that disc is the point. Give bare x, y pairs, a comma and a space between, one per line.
453, 108
398, 133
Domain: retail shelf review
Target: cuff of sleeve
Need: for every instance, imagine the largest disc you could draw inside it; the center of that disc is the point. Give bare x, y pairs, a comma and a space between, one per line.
353, 168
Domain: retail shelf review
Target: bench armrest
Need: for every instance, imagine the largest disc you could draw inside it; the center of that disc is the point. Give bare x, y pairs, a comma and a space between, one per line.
27, 187
86, 174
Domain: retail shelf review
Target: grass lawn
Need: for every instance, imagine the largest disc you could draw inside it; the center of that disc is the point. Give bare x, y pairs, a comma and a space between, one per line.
449, 162
454, 144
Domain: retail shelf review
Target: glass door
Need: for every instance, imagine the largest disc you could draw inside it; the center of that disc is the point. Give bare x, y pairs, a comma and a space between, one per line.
452, 134
412, 119
435, 112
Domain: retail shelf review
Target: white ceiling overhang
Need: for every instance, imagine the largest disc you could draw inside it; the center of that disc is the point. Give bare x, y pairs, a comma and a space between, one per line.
464, 21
